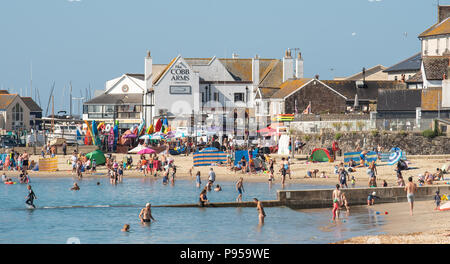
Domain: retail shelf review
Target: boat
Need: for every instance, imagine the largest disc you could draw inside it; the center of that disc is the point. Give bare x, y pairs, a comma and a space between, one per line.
65, 132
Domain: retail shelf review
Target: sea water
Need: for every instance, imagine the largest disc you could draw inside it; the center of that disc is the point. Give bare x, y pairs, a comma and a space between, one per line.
96, 213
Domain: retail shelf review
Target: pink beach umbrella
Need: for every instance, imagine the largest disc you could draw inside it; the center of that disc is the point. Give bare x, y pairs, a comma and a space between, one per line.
146, 151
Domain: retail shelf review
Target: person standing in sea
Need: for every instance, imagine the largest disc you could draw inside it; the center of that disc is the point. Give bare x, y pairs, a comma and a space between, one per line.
410, 189
240, 189
336, 197
212, 175
146, 214
30, 197
261, 213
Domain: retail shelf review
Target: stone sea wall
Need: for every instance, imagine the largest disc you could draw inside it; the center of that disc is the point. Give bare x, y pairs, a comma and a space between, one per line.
412, 143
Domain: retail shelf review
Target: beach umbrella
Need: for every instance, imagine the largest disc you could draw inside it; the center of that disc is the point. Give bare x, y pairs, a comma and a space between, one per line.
137, 149
210, 149
146, 151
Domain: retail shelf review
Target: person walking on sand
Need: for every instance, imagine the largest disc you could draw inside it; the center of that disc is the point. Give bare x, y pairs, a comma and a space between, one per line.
410, 189
261, 213
146, 214
336, 197
212, 175
240, 189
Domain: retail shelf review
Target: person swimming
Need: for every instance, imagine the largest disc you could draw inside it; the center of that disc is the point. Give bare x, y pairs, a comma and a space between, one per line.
30, 197
75, 187
218, 188
126, 228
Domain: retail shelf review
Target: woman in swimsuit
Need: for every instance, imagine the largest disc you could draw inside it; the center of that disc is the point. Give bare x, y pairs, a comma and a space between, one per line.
203, 199
260, 208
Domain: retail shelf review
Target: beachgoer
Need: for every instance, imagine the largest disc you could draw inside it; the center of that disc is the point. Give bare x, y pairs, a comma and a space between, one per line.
30, 197
146, 214
198, 181
343, 176
344, 202
437, 200
212, 175
410, 189
218, 188
371, 198
126, 228
203, 200
260, 208
353, 181
336, 197
75, 187
373, 182
240, 189
385, 184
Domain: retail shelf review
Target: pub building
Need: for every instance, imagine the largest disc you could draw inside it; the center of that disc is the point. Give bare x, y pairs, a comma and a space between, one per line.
225, 95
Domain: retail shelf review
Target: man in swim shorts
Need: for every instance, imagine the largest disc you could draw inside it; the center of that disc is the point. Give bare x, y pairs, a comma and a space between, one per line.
336, 201
146, 214
410, 189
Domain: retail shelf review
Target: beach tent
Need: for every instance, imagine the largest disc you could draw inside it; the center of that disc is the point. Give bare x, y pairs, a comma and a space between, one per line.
238, 154
209, 158
98, 156
210, 149
283, 145
320, 155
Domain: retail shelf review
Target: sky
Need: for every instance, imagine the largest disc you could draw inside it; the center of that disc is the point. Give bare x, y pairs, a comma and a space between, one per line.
87, 42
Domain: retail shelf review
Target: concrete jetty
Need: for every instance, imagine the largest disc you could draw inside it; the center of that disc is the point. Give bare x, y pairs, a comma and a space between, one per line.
321, 198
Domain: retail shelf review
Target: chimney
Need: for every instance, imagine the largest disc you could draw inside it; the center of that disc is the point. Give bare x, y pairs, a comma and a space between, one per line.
148, 71
255, 70
288, 66
317, 76
299, 66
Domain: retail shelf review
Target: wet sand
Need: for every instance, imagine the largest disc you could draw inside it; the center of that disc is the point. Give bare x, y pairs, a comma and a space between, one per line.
426, 226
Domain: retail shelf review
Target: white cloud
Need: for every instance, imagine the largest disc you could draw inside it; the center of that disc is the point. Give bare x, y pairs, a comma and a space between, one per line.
354, 34
73, 1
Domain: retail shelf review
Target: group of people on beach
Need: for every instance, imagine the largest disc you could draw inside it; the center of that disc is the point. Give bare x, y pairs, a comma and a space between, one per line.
14, 161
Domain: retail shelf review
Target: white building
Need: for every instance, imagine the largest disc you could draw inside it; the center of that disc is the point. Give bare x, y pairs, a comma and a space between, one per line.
196, 91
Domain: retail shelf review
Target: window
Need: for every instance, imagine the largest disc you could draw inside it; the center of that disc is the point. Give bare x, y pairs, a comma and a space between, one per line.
396, 78
17, 116
203, 97
239, 97
216, 96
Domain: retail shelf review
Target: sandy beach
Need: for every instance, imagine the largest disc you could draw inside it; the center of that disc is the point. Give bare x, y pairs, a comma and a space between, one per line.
299, 167
426, 226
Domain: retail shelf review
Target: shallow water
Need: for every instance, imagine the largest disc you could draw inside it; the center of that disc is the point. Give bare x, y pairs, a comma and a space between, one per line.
96, 213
